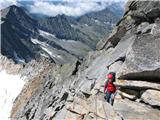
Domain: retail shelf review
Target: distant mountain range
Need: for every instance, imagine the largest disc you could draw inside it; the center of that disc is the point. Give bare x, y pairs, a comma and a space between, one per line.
61, 38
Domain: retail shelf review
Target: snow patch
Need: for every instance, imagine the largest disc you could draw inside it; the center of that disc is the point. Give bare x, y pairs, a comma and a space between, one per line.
44, 33
44, 55
96, 21
72, 25
51, 53
47, 50
18, 59
113, 25
10, 87
46, 47
107, 23
2, 22
86, 24
36, 41
69, 41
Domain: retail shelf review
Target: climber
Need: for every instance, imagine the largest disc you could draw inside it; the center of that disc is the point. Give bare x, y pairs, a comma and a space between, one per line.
110, 88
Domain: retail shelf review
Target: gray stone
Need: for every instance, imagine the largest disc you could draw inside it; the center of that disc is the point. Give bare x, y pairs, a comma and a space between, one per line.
126, 95
135, 111
70, 98
142, 63
135, 84
143, 10
153, 29
151, 97
156, 27
113, 39
115, 66
144, 27
120, 50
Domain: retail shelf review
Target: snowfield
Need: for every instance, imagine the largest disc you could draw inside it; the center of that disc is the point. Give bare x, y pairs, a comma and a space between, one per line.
10, 87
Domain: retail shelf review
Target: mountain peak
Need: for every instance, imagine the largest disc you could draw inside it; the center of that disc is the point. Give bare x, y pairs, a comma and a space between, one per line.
13, 9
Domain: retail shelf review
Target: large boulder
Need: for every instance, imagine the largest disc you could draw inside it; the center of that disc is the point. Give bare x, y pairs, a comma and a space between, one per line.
139, 85
135, 111
115, 66
113, 39
127, 93
143, 10
151, 97
142, 59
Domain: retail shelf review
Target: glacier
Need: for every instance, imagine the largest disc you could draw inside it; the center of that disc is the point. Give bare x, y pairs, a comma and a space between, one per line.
10, 87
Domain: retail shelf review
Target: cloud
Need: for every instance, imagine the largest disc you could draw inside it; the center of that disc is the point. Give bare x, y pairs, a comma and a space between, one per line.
6, 3
94, 0
55, 7
69, 7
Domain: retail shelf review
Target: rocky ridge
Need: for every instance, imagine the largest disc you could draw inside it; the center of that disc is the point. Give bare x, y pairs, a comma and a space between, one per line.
75, 90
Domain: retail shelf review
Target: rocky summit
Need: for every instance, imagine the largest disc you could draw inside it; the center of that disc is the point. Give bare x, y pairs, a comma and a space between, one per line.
74, 91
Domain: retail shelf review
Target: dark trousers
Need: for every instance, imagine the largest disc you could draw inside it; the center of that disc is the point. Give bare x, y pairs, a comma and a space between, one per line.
110, 97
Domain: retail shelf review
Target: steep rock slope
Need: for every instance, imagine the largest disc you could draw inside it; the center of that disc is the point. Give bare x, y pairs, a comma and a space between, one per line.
75, 91
14, 21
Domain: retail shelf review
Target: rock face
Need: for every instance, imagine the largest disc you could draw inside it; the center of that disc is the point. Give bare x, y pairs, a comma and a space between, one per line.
142, 28
75, 90
14, 22
141, 60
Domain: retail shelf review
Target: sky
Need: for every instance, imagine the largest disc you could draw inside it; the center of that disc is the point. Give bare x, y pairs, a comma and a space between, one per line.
71, 8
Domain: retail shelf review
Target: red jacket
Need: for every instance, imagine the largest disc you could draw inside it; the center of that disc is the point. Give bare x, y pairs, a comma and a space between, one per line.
110, 87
